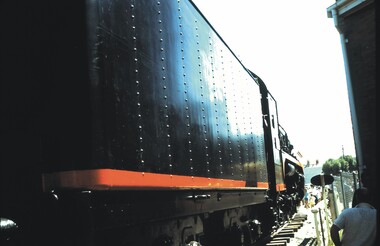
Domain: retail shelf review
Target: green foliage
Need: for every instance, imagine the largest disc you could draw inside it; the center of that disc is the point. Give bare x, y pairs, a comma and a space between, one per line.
344, 163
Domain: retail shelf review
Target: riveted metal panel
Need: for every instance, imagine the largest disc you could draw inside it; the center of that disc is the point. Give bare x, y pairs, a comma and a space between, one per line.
166, 95
170, 96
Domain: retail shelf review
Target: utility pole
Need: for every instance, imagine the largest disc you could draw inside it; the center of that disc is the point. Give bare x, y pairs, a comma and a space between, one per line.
343, 151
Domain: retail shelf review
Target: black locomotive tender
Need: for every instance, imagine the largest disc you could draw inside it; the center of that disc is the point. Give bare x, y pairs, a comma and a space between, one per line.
131, 122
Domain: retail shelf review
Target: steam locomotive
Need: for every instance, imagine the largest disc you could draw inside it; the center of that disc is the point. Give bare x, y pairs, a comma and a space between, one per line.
132, 122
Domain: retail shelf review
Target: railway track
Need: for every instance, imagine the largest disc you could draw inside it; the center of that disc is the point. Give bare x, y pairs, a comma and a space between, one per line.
296, 232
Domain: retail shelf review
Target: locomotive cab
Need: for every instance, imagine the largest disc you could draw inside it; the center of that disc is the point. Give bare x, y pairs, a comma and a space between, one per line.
285, 172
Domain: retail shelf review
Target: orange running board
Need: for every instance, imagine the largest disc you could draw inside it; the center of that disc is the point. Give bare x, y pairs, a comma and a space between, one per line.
105, 179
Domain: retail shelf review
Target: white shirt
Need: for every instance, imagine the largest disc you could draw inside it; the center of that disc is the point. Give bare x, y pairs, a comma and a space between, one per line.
358, 224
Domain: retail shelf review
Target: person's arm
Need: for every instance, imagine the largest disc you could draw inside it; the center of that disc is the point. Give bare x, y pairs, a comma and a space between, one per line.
334, 233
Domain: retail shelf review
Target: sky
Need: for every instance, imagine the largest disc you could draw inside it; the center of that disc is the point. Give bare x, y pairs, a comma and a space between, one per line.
295, 49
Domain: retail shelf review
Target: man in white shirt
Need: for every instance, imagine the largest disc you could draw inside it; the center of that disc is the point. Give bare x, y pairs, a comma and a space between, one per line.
358, 223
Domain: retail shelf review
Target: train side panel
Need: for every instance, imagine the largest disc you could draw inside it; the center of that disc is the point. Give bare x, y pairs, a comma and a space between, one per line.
166, 95
131, 123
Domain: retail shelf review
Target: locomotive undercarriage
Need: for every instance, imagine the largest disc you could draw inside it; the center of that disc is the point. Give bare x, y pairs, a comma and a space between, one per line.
155, 218
241, 226
237, 226
152, 218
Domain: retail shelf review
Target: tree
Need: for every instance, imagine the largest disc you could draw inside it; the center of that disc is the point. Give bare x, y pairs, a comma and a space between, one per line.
336, 167
344, 163
352, 164
327, 167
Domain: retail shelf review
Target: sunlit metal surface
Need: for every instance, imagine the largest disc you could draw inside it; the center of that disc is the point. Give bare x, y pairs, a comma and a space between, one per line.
170, 96
6, 224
